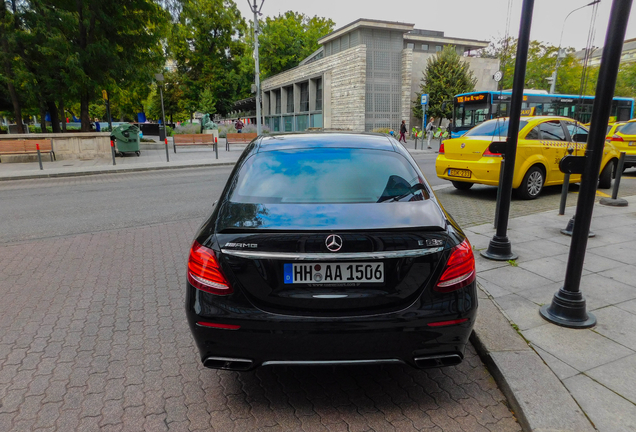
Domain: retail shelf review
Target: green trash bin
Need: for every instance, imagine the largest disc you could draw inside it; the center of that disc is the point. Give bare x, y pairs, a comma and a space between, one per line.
126, 138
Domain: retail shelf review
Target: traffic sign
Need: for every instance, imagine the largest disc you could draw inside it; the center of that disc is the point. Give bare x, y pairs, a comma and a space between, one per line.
104, 94
425, 99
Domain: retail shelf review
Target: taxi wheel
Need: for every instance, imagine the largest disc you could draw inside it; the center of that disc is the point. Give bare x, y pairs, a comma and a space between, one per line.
605, 179
462, 185
532, 184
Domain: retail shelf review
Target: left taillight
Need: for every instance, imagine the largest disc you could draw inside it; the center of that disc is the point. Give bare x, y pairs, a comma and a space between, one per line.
459, 270
204, 272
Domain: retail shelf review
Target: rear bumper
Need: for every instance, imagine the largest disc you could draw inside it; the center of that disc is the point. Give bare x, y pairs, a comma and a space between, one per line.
265, 338
483, 171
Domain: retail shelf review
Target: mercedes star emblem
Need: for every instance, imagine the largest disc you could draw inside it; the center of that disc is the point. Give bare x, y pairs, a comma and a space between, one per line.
333, 242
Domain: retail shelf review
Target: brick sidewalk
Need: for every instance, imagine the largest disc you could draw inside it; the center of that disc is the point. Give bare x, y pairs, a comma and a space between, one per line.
94, 337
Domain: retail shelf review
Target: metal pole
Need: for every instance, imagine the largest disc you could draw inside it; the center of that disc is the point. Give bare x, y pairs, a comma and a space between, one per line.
619, 174
167, 153
558, 63
163, 117
568, 305
500, 248
257, 74
564, 193
110, 120
112, 151
501, 171
216, 147
37, 147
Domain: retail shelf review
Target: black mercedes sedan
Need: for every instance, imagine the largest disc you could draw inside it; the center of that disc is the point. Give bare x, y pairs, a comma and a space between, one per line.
329, 249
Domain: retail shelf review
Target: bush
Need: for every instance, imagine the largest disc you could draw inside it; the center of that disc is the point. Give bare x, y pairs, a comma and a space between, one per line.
187, 128
382, 130
250, 128
169, 131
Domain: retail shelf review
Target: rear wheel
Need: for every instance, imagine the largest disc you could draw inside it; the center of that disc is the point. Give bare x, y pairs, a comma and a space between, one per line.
605, 179
532, 184
462, 185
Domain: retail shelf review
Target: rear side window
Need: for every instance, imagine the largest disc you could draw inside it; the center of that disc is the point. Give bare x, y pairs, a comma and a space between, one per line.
552, 130
340, 175
577, 133
629, 129
534, 134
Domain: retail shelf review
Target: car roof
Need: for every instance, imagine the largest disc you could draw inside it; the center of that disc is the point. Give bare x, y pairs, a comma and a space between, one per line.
309, 140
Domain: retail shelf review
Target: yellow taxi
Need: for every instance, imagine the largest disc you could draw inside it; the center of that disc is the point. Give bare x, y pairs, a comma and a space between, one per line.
543, 142
624, 139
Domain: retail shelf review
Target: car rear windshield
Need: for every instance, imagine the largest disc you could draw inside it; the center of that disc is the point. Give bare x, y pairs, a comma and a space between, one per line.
628, 129
341, 175
492, 128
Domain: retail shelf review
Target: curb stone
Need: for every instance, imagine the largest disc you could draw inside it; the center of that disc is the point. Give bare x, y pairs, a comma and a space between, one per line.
539, 400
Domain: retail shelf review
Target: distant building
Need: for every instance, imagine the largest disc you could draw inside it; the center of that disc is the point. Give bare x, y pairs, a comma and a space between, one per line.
363, 77
628, 55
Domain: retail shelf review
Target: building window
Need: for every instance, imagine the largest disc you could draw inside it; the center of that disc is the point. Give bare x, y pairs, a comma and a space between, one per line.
277, 96
424, 47
410, 45
319, 94
438, 48
290, 99
304, 97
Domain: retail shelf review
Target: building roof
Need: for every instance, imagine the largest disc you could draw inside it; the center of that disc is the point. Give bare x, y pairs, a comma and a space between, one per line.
367, 23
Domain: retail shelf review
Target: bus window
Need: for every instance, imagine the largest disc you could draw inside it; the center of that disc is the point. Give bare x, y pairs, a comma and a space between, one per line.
623, 114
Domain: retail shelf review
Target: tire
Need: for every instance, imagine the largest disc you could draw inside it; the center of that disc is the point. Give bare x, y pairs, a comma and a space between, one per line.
138, 153
462, 185
605, 179
532, 184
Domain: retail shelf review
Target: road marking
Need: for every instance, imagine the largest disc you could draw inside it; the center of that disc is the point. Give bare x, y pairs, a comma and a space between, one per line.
602, 194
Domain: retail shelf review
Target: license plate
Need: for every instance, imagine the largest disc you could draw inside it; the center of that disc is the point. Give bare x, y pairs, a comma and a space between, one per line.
325, 273
632, 143
459, 173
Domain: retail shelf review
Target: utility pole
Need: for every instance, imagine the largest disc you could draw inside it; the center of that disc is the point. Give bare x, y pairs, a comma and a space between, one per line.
257, 76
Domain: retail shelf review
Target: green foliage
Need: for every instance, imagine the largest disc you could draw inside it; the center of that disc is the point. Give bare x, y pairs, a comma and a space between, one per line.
445, 76
207, 102
288, 39
205, 42
542, 60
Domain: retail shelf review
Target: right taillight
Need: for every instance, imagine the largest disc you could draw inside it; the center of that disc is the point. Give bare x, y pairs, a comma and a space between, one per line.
441, 148
491, 154
617, 138
459, 270
204, 272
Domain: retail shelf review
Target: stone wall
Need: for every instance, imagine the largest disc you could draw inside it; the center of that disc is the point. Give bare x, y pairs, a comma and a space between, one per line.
344, 81
407, 97
81, 145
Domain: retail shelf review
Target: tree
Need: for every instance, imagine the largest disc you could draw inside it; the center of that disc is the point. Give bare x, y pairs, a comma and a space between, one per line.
205, 43
288, 39
207, 103
445, 76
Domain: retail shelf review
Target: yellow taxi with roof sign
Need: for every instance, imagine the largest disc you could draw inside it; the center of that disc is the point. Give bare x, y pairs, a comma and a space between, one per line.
624, 139
543, 142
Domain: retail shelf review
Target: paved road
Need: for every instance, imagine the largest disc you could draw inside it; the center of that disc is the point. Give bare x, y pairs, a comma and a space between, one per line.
93, 334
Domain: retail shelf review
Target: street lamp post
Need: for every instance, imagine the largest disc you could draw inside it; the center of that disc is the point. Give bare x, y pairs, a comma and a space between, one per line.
561, 53
159, 78
257, 75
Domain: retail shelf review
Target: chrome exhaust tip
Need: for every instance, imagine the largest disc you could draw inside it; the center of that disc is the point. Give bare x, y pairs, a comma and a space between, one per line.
226, 363
440, 360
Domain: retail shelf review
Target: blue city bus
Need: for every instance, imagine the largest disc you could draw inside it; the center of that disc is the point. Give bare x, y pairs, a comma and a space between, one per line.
470, 109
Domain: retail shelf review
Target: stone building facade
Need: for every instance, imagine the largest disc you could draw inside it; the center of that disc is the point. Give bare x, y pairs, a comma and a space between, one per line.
363, 77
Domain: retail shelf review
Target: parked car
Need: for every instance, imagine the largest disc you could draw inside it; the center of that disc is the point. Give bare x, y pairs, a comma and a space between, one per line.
329, 248
623, 139
543, 142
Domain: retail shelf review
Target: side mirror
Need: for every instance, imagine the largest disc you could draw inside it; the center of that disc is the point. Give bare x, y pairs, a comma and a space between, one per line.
498, 147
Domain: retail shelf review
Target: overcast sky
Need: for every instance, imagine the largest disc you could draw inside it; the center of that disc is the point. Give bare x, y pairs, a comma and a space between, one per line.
471, 19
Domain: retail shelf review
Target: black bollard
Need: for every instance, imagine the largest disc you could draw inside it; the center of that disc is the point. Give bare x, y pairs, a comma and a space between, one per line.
216, 147
112, 151
614, 200
167, 154
37, 147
